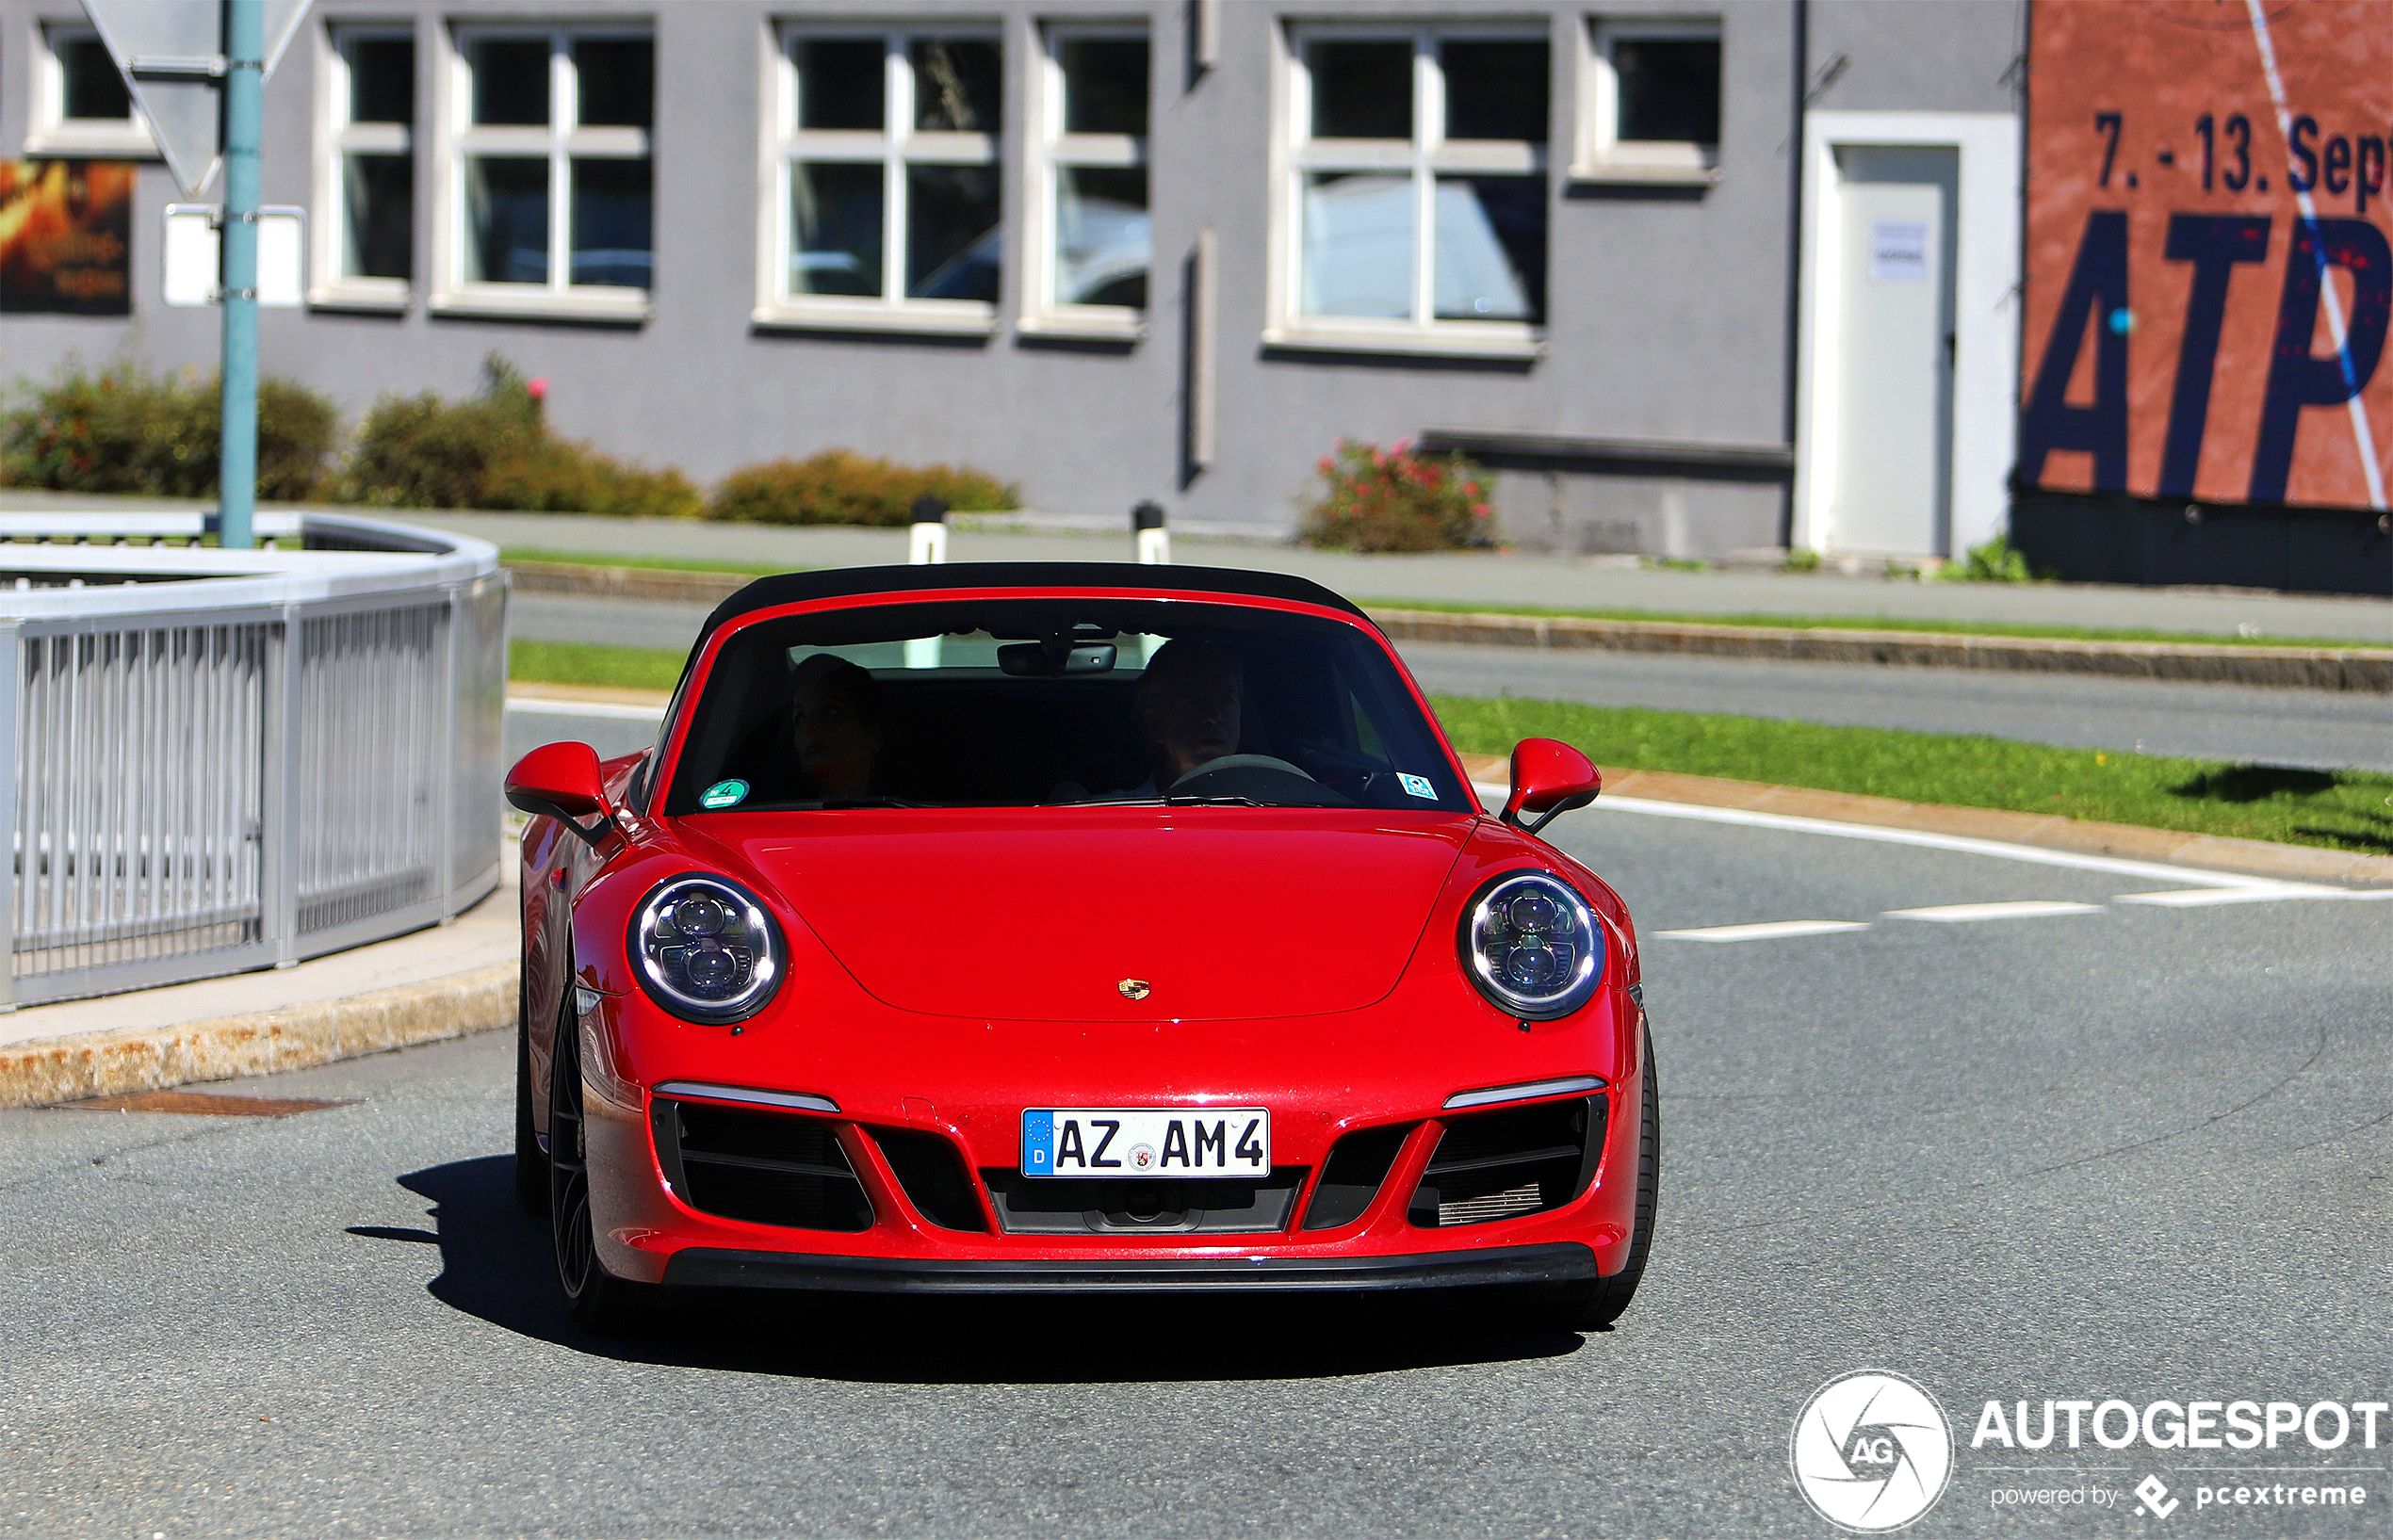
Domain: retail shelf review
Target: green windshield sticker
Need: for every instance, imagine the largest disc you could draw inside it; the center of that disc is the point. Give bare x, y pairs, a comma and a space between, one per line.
723, 794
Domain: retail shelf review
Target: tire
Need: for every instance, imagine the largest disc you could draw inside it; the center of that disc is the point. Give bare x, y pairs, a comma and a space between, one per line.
601, 1303
1592, 1307
531, 1161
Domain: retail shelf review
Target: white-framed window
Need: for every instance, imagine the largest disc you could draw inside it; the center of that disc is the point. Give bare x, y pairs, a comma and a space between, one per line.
365, 232
551, 179
1416, 196
80, 103
1090, 244
884, 177
1652, 90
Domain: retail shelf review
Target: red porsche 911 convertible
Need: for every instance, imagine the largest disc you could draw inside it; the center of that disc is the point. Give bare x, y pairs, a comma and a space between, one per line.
1040, 927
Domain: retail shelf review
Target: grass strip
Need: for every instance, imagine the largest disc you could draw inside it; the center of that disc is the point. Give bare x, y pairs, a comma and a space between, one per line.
1874, 623
713, 567
2343, 810
593, 663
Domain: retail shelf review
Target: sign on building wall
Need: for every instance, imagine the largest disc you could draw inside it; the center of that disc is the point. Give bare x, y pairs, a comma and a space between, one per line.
66, 230
2208, 272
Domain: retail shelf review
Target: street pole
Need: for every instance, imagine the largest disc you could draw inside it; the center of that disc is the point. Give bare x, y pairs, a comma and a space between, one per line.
244, 112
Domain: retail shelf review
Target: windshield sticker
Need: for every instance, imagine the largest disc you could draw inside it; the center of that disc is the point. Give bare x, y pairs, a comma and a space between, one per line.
723, 794
1419, 785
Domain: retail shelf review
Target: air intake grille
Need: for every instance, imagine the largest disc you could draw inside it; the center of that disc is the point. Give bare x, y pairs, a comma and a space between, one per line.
1357, 1165
1047, 1206
1501, 1165
934, 1178
766, 1168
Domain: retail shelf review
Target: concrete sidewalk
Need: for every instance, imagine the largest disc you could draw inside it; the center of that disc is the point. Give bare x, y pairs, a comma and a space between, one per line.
444, 981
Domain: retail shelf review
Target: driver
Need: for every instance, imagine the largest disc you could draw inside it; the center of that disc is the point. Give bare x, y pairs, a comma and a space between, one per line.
835, 726
1188, 705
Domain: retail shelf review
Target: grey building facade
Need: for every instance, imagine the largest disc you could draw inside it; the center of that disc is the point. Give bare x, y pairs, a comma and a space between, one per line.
1116, 251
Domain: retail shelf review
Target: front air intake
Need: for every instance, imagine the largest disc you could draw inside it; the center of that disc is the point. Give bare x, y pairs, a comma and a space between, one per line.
1358, 1164
933, 1176
1501, 1165
766, 1168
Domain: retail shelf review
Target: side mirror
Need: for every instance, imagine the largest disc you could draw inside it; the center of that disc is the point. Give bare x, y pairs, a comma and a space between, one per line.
560, 781
1549, 779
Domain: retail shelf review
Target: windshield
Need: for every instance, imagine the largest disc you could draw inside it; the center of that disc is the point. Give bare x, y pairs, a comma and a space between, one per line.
1041, 703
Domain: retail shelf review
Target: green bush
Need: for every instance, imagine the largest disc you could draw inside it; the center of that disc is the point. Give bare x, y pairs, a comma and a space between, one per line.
1379, 499
495, 452
126, 430
1992, 563
839, 486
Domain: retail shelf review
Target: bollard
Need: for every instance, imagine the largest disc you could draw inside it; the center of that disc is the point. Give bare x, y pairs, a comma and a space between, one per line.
1148, 537
926, 543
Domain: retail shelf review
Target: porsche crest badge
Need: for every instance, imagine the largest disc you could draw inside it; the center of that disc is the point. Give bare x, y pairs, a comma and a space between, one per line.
1135, 989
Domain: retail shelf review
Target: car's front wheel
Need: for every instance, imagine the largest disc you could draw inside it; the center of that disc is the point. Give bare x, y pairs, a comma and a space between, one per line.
600, 1302
1591, 1308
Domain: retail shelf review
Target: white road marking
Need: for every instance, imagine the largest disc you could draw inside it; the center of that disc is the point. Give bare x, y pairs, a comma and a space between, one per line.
2203, 898
585, 709
1961, 914
1768, 931
2034, 855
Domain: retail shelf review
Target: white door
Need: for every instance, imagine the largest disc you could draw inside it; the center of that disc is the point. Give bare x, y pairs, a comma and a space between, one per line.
1897, 207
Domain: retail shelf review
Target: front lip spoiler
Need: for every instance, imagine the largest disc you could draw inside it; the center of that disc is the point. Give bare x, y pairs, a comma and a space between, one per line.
1562, 1262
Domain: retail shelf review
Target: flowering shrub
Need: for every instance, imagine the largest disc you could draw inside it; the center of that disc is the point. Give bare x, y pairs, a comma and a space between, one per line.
1395, 500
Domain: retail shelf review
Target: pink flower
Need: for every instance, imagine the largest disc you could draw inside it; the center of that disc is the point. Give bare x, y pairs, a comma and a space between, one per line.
1326, 466
1404, 446
1478, 511
537, 388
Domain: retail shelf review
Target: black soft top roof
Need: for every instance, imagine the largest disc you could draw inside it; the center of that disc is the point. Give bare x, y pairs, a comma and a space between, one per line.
856, 582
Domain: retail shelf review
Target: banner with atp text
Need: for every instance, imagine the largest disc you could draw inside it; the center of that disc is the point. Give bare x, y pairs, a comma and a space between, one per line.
2208, 276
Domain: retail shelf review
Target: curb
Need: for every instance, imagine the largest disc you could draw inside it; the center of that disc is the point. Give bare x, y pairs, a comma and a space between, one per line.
706, 587
70, 1069
2361, 670
60, 1069
2218, 852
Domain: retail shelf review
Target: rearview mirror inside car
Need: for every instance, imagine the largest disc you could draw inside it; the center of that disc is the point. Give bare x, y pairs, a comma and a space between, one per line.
1549, 779
560, 781
1039, 660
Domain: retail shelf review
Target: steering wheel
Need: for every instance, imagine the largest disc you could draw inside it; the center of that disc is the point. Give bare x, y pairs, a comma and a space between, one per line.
1238, 762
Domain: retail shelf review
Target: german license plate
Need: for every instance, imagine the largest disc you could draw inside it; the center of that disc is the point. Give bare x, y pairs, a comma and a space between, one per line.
1147, 1141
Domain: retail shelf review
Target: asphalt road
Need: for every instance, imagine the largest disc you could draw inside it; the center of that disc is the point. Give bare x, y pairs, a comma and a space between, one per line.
2315, 729
2111, 1150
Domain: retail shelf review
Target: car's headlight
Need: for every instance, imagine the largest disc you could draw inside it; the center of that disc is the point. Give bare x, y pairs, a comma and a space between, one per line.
705, 950
1532, 946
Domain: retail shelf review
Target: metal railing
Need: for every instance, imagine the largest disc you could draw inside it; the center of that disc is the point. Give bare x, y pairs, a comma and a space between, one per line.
226, 760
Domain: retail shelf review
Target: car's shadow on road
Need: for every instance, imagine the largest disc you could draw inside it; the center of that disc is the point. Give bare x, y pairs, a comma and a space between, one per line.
496, 1264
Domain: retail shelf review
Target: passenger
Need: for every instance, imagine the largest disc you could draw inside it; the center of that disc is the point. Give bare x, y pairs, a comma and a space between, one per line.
835, 727
1188, 705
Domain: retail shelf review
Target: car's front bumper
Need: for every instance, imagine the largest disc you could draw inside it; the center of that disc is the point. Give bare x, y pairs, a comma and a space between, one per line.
1562, 1262
963, 1085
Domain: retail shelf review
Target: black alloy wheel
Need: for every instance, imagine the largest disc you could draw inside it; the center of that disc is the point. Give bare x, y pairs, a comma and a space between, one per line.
531, 1161
1592, 1307
600, 1302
